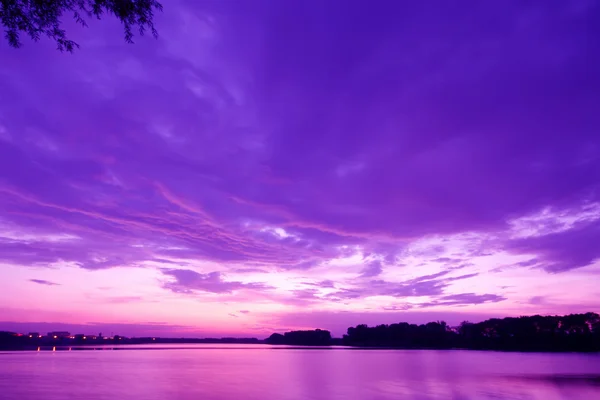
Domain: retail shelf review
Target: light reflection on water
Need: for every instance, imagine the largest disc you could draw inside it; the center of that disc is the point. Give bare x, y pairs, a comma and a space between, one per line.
224, 372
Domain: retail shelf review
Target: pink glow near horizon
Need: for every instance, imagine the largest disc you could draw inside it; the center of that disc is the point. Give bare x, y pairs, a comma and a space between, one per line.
252, 171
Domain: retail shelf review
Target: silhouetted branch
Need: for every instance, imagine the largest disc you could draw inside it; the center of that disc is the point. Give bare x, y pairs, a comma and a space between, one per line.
38, 18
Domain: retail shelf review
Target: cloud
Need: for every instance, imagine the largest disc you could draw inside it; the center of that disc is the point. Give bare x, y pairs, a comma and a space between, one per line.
249, 270
44, 282
305, 294
464, 299
426, 285
325, 284
561, 251
303, 265
84, 184
528, 263
401, 307
537, 300
188, 281
372, 269
122, 299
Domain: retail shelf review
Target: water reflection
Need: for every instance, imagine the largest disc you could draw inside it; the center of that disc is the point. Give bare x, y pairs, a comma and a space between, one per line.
204, 372
543, 388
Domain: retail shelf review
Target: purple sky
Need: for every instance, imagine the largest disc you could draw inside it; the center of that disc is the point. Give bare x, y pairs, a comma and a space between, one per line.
272, 165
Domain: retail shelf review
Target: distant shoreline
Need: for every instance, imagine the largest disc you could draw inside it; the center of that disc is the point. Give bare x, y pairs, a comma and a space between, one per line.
576, 333
254, 346
11, 341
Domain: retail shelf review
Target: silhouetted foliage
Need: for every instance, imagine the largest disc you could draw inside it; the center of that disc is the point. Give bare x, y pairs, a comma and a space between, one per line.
276, 338
316, 337
10, 340
575, 332
38, 18
402, 335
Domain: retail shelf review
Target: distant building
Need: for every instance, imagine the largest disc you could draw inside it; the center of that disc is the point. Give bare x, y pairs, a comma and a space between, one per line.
59, 334
34, 335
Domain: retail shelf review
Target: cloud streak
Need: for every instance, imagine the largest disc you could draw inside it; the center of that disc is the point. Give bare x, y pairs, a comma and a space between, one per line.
44, 282
188, 281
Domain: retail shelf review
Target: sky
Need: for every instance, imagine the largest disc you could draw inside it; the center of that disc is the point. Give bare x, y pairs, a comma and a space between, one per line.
272, 165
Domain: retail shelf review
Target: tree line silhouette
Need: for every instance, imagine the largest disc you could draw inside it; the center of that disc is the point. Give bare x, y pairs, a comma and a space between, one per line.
317, 337
574, 332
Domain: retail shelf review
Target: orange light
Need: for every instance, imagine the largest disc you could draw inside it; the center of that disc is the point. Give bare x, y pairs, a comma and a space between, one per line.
38, 349
54, 349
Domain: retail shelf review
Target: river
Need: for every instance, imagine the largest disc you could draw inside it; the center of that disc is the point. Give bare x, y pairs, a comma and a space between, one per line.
238, 372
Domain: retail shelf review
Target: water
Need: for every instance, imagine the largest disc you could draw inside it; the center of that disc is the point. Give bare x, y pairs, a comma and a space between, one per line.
207, 372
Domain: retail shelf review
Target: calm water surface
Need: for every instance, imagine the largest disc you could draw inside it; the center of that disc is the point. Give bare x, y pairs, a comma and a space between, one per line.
206, 372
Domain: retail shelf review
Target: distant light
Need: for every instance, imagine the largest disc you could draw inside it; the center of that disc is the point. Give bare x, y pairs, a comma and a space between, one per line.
39, 336
153, 338
120, 338
30, 335
55, 336
84, 338
38, 349
54, 349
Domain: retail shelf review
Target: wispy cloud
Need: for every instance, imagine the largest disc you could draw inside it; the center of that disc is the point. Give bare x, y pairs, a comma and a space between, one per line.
373, 268
464, 299
187, 281
44, 282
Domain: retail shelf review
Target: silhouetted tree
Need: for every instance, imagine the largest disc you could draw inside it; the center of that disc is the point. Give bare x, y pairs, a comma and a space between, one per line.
10, 340
317, 337
38, 18
275, 338
575, 332
402, 335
